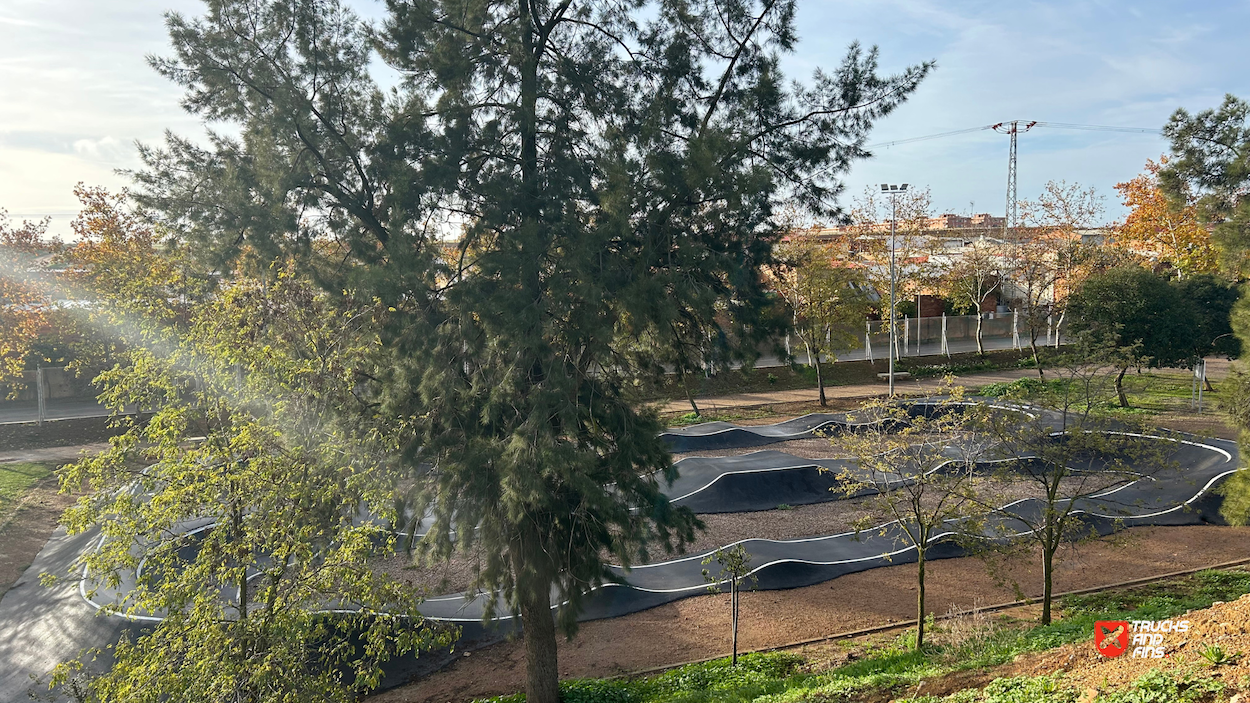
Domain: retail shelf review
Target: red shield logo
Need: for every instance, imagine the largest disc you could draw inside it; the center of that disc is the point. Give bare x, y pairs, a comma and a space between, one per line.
1111, 637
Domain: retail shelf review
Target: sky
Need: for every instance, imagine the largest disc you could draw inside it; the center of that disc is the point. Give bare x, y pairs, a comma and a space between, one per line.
76, 92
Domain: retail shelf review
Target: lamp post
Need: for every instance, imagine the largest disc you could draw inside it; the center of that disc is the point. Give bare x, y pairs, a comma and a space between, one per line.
892, 191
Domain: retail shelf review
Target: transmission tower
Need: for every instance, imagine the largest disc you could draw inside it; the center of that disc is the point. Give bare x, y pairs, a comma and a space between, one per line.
1012, 128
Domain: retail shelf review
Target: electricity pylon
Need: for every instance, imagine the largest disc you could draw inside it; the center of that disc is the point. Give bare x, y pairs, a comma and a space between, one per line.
1012, 128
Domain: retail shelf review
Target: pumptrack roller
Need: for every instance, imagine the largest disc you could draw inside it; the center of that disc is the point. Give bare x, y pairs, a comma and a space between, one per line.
41, 626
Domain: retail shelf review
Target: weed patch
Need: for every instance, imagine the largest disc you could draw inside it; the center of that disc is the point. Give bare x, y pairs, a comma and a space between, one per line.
17, 479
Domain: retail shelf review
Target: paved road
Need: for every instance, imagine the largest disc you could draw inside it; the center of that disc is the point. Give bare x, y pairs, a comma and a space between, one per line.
40, 627
56, 409
68, 408
880, 352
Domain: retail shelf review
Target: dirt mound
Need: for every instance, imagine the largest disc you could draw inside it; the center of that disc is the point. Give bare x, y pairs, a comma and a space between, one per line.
1222, 632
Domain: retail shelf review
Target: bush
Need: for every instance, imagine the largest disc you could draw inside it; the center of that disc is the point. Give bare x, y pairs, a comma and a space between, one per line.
1023, 388
1158, 687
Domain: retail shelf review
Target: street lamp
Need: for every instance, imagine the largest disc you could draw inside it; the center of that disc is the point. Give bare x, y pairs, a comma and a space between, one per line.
892, 191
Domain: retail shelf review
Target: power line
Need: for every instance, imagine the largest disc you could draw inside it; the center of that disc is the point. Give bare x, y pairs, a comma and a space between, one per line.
929, 136
1099, 128
1051, 125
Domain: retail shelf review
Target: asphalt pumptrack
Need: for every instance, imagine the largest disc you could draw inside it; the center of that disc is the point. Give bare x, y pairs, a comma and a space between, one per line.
757, 479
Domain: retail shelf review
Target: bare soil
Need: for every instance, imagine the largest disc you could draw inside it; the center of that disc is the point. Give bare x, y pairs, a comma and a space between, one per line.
698, 627
29, 528
1224, 625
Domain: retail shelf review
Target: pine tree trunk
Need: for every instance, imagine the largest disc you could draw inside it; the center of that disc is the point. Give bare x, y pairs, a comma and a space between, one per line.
920, 555
538, 627
1119, 388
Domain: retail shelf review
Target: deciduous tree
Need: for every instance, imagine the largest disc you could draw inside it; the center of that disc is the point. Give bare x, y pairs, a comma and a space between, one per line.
826, 294
1067, 465
735, 568
973, 276
26, 310
268, 487
1047, 254
1167, 230
918, 466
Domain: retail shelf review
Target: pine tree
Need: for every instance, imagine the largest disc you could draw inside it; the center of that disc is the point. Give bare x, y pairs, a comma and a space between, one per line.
1211, 160
557, 198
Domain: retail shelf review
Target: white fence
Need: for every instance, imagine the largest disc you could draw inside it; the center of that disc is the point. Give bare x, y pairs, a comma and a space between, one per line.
915, 336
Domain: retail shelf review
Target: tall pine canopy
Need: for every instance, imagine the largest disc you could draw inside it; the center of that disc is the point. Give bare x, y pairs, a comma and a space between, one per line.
556, 199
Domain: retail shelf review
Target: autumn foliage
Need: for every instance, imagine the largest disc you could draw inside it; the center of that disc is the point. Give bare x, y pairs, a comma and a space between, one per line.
1168, 232
25, 310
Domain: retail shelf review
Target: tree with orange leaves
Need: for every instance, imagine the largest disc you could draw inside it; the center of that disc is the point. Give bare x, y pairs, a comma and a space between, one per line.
25, 310
121, 257
1168, 231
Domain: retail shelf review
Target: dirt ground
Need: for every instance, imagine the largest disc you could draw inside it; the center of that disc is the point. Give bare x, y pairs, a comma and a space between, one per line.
26, 532
1224, 625
695, 628
23, 534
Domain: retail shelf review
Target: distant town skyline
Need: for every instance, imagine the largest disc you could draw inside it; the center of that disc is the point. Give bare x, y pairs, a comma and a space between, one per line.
76, 93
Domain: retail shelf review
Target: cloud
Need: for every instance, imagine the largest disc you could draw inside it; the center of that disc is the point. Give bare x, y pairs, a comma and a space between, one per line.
105, 148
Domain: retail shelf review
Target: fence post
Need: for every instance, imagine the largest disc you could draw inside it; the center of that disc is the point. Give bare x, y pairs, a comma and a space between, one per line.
1202, 381
39, 396
906, 335
1193, 387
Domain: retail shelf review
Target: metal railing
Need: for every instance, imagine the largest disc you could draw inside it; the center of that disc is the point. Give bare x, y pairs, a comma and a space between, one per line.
49, 392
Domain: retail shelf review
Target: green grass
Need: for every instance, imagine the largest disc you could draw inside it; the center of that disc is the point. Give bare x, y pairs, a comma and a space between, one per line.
17, 479
1149, 392
1153, 687
891, 667
725, 415
967, 363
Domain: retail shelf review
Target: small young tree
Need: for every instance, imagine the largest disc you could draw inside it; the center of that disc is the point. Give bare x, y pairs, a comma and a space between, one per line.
919, 468
735, 567
826, 297
1047, 254
1067, 464
974, 276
